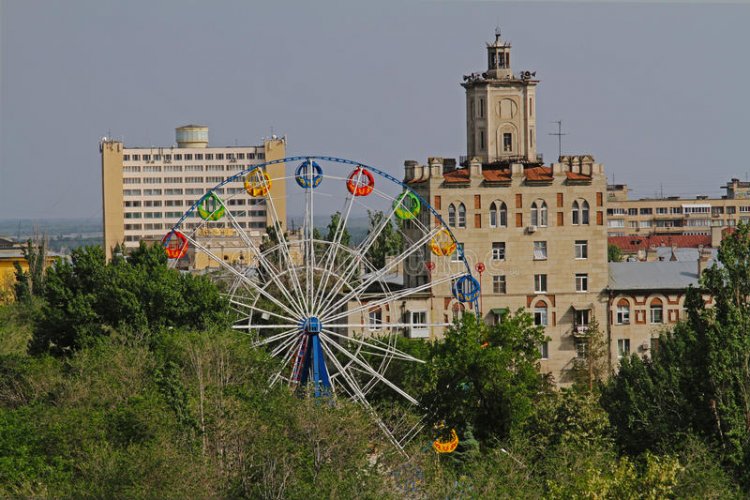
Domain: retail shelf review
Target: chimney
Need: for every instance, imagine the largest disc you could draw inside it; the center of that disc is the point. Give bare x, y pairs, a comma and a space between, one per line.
475, 167
436, 167
409, 169
704, 256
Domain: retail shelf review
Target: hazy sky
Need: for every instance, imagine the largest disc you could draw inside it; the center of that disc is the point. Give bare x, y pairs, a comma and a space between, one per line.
657, 93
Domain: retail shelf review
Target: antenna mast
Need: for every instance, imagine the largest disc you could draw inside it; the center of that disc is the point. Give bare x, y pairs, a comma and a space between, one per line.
559, 135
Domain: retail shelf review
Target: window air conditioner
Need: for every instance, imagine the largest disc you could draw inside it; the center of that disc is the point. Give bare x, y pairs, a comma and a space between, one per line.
531, 229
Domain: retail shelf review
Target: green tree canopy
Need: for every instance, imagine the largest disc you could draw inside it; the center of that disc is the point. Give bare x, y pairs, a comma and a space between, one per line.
87, 297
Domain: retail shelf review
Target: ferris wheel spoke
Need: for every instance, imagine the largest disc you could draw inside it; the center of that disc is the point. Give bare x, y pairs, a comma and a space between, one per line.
262, 311
279, 228
274, 338
333, 250
287, 359
369, 369
359, 395
392, 351
361, 251
392, 298
234, 271
270, 268
309, 231
382, 272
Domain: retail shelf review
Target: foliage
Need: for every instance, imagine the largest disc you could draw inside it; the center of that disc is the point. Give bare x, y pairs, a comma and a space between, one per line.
614, 254
31, 283
87, 298
388, 242
699, 379
484, 378
593, 368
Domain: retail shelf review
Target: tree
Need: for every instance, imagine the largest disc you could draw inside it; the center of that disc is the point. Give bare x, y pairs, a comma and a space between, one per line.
333, 228
594, 365
484, 378
614, 254
699, 379
87, 298
390, 240
31, 283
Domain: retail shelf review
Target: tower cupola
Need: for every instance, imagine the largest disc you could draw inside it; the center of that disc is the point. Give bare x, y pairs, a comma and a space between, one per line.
498, 58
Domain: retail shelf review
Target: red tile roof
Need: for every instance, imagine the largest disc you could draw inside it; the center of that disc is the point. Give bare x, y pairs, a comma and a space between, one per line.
496, 175
538, 174
631, 244
459, 176
575, 176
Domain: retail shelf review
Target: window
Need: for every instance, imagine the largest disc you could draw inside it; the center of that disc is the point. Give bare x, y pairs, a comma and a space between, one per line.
582, 282
623, 312
458, 310
657, 311
540, 250
146, 157
632, 211
498, 214
459, 253
461, 215
125, 157
481, 139
136, 157
131, 169
544, 350
582, 249
131, 192
581, 319
172, 191
452, 215
539, 213
219, 156
623, 347
540, 314
540, 283
498, 250
646, 211
498, 284
419, 327
507, 142
375, 319
131, 180
662, 210
581, 212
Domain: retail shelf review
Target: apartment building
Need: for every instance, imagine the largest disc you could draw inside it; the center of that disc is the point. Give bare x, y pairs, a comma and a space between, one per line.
674, 215
538, 230
146, 190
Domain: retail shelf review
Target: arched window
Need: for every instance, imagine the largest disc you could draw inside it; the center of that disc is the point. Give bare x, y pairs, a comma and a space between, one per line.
540, 313
585, 212
657, 311
580, 212
452, 215
539, 213
498, 214
461, 215
623, 312
458, 311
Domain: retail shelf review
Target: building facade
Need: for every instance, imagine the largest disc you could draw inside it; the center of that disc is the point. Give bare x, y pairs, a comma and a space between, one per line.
539, 231
674, 215
145, 190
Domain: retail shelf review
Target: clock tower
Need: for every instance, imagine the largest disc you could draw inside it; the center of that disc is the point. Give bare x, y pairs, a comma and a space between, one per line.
500, 110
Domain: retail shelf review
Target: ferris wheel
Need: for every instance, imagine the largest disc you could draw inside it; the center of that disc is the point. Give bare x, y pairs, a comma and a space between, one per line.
330, 309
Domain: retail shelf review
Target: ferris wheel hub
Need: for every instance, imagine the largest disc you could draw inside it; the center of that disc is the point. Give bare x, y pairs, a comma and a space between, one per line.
312, 326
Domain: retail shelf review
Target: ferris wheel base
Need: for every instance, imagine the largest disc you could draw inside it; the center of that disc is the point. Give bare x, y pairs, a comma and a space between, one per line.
310, 366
